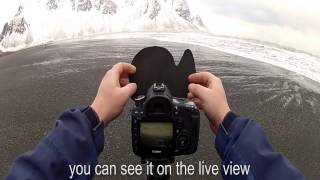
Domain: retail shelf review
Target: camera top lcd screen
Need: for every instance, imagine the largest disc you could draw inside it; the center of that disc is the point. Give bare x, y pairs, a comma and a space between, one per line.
156, 134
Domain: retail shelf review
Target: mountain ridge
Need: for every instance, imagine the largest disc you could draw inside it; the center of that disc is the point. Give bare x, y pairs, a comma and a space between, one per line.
59, 19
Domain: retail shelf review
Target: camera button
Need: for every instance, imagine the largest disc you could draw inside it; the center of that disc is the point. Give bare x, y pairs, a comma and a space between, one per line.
182, 141
179, 122
140, 98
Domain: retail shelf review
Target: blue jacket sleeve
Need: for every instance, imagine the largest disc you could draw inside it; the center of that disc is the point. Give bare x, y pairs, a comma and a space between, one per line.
244, 144
71, 142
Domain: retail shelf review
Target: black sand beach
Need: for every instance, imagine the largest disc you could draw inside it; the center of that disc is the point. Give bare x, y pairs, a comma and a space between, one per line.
38, 83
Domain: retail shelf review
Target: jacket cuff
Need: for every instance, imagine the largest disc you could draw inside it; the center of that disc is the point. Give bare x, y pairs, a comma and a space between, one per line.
98, 138
230, 129
97, 128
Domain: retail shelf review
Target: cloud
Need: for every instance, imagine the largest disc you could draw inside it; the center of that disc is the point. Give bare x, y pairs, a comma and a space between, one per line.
292, 23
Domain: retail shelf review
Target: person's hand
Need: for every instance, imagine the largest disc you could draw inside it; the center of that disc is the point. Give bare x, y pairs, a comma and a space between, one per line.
114, 92
207, 91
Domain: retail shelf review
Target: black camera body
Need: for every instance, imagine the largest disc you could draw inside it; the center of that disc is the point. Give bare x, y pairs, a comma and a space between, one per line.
164, 126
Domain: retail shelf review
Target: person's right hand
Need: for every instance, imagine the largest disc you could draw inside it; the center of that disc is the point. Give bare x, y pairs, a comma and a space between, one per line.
207, 91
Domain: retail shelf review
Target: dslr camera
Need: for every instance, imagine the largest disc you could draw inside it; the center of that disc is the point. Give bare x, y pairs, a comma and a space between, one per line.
164, 126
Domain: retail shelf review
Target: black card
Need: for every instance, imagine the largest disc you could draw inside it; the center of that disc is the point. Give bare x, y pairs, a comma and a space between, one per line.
156, 65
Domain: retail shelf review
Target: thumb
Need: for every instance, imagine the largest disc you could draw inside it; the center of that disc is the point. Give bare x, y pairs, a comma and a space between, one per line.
129, 89
197, 90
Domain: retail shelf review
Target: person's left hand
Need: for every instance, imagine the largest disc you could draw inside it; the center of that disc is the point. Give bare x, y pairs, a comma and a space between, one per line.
114, 92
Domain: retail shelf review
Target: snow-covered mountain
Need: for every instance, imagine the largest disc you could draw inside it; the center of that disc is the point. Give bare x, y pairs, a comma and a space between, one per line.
16, 32
39, 21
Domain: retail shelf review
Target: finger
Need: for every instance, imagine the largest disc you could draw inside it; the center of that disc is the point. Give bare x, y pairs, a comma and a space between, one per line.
190, 95
203, 78
124, 81
198, 91
129, 89
199, 106
194, 99
124, 75
121, 69
198, 103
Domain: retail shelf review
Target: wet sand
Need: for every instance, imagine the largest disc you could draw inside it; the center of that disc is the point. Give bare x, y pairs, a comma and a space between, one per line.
4, 53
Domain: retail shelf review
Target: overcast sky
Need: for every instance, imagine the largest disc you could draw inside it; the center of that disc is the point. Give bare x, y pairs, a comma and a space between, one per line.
294, 23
